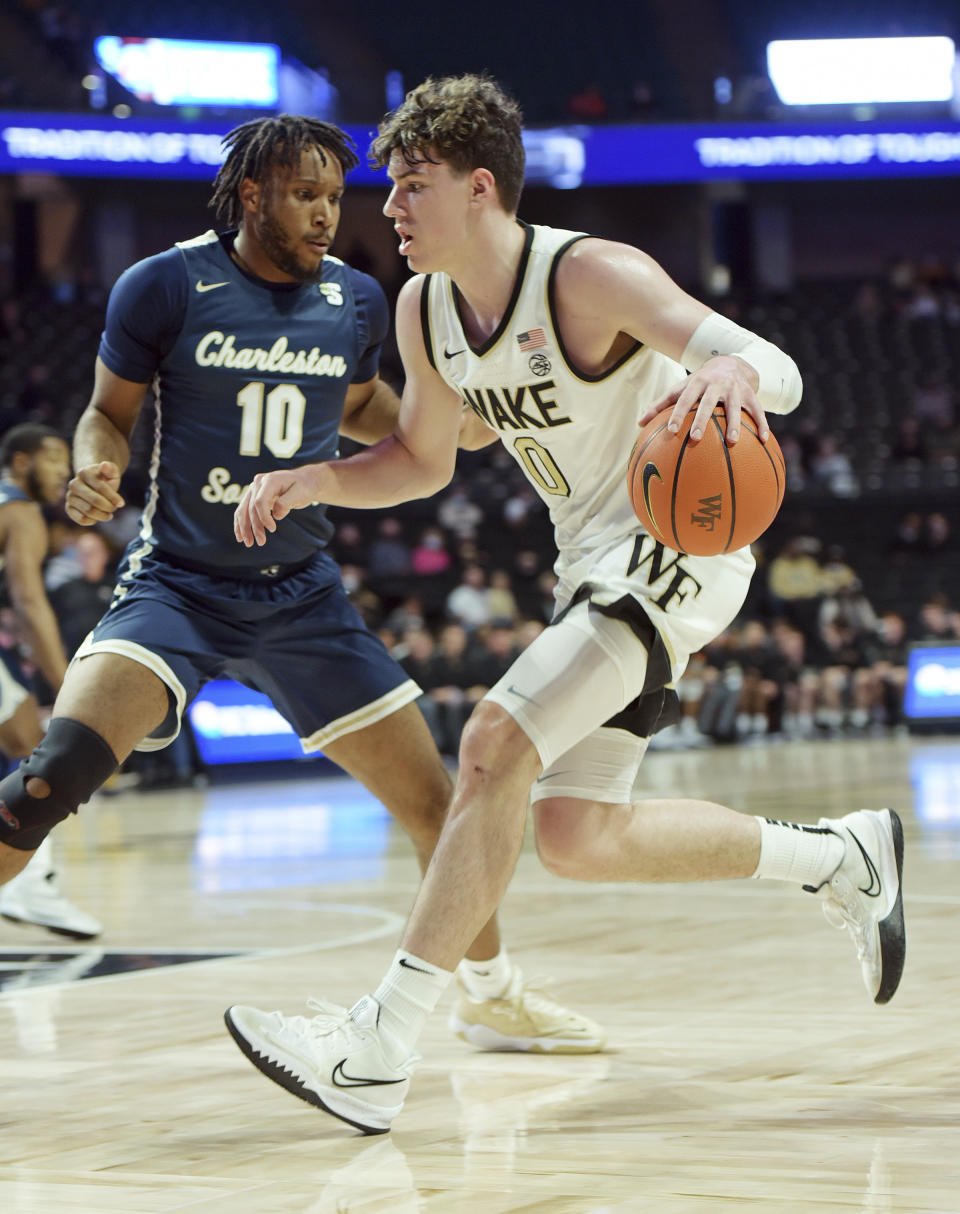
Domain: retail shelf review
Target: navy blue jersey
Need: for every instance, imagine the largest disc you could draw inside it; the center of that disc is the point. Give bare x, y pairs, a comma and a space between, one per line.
249, 377
9, 492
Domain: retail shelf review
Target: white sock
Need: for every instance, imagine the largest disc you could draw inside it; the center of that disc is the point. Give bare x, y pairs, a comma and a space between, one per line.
486, 979
409, 992
791, 851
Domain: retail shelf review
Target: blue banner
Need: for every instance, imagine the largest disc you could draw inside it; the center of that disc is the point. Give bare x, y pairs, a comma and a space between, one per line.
563, 157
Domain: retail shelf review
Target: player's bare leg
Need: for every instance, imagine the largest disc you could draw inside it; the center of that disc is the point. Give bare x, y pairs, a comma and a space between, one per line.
116, 697
396, 759
647, 841
475, 858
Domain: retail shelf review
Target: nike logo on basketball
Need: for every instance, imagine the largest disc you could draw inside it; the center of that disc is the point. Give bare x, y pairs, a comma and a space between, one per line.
342, 1080
453, 353
209, 286
875, 887
407, 966
649, 472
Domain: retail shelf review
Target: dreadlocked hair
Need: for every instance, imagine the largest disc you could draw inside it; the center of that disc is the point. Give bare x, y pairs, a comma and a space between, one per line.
263, 145
467, 121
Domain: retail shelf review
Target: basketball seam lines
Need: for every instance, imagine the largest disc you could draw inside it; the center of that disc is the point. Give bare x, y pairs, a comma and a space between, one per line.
730, 480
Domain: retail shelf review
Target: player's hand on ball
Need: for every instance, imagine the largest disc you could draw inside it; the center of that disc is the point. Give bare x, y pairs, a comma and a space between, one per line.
268, 498
725, 380
92, 494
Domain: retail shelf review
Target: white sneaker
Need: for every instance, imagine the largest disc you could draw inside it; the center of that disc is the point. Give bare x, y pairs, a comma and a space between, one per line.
864, 895
33, 896
333, 1060
523, 1018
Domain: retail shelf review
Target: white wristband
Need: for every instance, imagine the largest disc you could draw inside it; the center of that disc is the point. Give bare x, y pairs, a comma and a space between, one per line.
780, 384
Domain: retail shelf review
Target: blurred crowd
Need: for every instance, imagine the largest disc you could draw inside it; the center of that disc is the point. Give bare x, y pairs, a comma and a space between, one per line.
456, 586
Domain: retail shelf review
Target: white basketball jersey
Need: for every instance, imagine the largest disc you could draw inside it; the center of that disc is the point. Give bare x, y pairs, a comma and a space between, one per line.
570, 432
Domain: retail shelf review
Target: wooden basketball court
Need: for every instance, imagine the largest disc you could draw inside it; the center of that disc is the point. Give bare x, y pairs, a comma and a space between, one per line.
746, 1067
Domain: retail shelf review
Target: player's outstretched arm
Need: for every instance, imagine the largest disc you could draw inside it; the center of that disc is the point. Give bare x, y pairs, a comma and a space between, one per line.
417, 460
101, 447
23, 555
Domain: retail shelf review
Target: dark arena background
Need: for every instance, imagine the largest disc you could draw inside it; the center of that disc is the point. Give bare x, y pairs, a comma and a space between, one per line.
813, 202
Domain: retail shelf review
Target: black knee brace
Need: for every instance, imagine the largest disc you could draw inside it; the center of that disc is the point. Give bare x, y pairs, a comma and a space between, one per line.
74, 761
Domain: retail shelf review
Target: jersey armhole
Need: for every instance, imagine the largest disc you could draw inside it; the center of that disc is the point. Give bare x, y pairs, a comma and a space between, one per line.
555, 322
425, 321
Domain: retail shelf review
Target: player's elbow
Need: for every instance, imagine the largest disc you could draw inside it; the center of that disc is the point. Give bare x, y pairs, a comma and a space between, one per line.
434, 476
792, 390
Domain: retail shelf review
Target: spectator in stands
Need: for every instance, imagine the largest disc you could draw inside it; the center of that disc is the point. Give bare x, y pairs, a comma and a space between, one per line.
348, 546
934, 401
888, 667
908, 536
407, 615
848, 605
417, 655
501, 601
588, 104
520, 506
759, 664
936, 621
831, 468
468, 602
79, 602
910, 445
431, 555
836, 572
452, 676
798, 682
937, 532
793, 580
457, 514
493, 653
389, 554
844, 691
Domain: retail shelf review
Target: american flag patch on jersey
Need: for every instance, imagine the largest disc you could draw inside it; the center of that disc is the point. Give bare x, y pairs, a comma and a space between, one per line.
531, 339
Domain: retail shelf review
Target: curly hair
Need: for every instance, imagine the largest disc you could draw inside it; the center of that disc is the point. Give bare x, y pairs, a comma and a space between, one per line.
259, 147
467, 121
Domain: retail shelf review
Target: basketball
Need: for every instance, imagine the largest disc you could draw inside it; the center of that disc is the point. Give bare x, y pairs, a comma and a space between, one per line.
705, 498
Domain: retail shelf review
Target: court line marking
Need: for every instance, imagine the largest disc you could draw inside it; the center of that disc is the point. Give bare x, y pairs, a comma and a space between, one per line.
390, 923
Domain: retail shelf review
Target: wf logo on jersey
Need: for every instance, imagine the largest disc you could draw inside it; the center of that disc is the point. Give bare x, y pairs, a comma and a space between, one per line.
527, 408
709, 513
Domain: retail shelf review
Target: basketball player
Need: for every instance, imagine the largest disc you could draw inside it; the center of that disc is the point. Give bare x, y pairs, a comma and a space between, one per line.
562, 343
34, 467
261, 346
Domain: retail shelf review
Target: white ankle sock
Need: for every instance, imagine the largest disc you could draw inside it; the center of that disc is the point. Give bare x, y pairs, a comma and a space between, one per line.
791, 851
486, 979
409, 992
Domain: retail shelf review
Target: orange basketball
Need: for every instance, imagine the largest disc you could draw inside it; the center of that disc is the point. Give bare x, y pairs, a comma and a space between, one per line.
705, 498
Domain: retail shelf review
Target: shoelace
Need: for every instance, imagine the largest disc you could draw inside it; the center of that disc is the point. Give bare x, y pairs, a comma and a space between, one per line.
531, 997
330, 1016
843, 908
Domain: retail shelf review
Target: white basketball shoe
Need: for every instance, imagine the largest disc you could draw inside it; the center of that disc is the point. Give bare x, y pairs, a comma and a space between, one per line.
34, 896
333, 1060
864, 895
524, 1018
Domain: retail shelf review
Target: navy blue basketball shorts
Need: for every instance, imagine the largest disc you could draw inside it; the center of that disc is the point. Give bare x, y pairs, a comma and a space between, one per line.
295, 638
